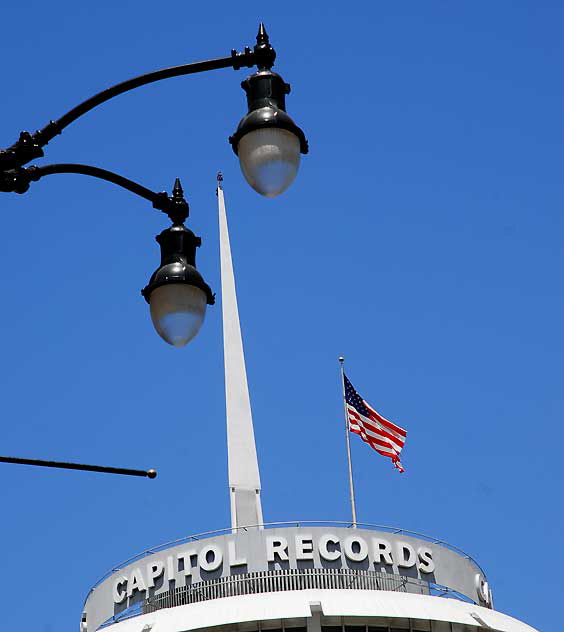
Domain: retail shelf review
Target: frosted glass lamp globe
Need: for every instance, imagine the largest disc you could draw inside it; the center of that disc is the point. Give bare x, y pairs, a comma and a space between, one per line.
177, 312
269, 159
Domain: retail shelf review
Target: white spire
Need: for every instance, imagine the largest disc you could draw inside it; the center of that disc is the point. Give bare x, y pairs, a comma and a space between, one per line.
244, 478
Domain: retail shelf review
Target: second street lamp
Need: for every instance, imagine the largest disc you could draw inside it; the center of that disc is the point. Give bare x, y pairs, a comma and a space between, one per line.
177, 293
267, 142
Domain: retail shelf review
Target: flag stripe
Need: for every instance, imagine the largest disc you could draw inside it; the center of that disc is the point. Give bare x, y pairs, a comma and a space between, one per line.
369, 425
376, 443
375, 422
378, 439
390, 453
383, 445
385, 421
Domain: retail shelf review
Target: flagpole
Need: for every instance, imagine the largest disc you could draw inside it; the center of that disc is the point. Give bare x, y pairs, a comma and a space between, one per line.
348, 438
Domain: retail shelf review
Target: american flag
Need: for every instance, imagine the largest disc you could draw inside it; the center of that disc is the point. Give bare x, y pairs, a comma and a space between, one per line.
382, 435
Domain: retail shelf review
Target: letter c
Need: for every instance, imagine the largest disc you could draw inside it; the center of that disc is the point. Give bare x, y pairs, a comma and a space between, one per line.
118, 591
325, 553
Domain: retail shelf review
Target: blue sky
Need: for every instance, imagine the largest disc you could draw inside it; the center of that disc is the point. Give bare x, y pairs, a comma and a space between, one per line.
422, 240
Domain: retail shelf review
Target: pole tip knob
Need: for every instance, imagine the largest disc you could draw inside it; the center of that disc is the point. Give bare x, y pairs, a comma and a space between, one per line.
152, 473
341, 359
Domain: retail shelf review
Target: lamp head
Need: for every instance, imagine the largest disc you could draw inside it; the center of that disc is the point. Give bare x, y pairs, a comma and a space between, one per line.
176, 292
267, 140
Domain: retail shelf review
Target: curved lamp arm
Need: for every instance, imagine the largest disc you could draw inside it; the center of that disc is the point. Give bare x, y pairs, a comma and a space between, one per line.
18, 181
29, 146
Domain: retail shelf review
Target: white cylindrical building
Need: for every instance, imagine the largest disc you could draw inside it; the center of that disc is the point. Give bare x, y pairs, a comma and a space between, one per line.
298, 578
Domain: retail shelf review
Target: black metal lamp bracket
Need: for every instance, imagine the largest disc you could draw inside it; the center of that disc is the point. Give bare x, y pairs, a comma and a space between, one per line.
175, 206
30, 146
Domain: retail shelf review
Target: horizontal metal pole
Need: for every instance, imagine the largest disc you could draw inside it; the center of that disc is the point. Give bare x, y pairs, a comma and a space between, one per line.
79, 466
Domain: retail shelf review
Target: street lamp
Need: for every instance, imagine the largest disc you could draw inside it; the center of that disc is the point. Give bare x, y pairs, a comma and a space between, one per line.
177, 293
267, 142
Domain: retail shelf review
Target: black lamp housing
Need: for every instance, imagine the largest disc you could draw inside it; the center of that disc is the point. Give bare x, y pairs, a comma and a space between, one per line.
178, 262
266, 97
178, 250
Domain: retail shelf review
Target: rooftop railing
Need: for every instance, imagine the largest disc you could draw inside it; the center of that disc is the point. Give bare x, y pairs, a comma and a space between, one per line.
284, 580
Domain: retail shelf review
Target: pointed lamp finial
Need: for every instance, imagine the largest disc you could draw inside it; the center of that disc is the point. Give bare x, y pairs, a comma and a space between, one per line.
177, 208
264, 53
262, 35
177, 190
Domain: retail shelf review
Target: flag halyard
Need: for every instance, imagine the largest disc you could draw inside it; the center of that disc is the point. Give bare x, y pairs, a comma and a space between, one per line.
381, 434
